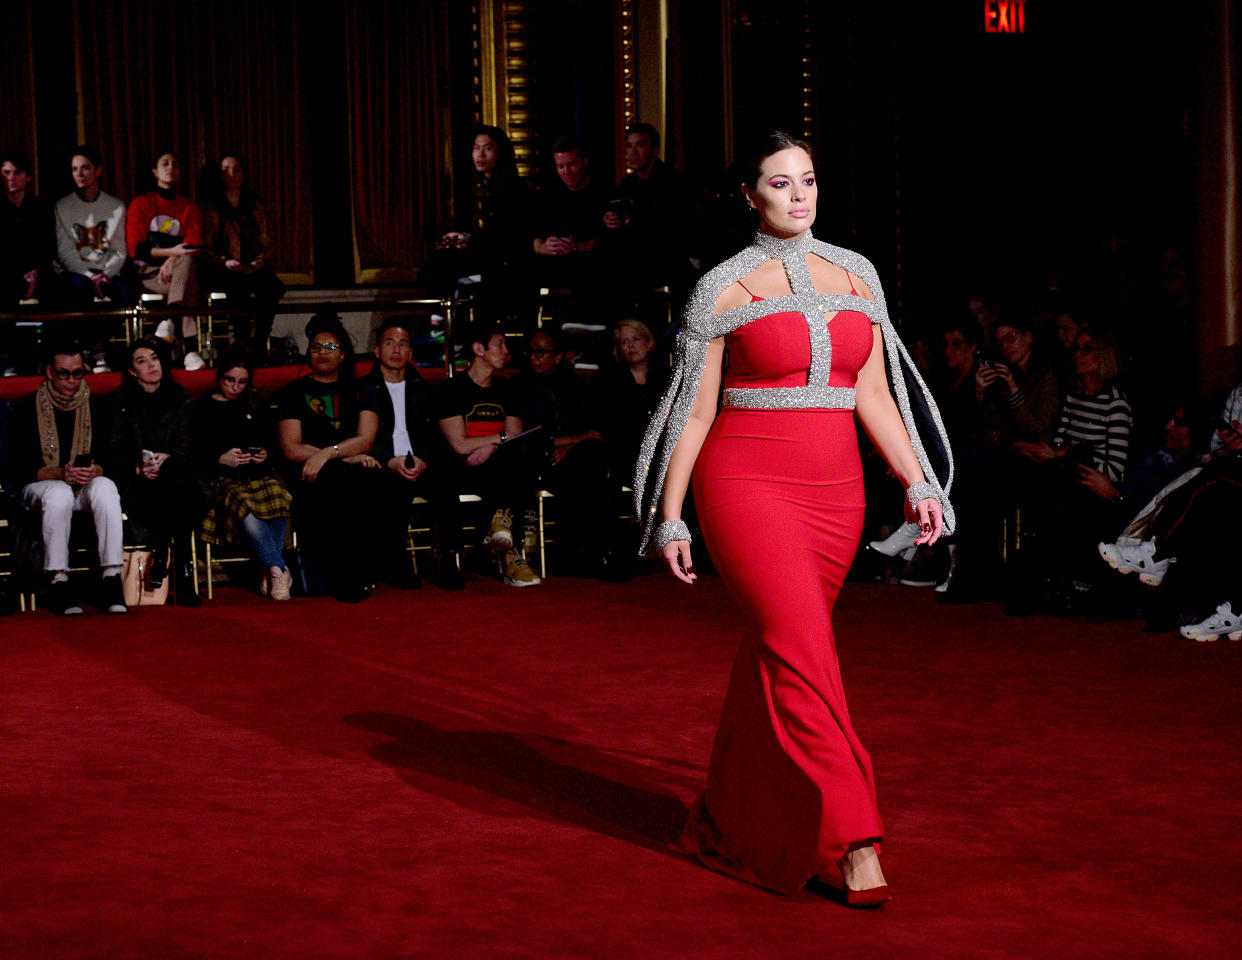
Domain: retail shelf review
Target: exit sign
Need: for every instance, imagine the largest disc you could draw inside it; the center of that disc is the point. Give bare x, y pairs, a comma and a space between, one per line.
1004, 16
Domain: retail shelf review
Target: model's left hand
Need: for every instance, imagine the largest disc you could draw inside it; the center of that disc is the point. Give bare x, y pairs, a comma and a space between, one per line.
930, 517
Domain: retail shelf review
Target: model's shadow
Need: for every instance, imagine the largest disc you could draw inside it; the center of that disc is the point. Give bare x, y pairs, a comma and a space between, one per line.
553, 778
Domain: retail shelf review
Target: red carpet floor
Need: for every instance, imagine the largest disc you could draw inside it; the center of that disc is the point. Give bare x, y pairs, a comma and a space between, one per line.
498, 774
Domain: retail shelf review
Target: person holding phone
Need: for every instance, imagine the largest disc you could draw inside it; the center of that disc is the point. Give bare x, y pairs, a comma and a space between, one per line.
56, 434
231, 441
150, 451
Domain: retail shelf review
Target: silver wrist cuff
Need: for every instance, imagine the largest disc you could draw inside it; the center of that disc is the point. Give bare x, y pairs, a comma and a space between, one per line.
668, 531
922, 490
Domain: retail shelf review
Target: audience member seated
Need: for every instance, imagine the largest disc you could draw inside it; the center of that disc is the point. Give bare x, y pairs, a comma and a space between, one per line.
496, 243
1019, 392
987, 315
27, 238
328, 424
149, 454
656, 215
90, 236
408, 445
1091, 444
59, 439
1068, 326
572, 461
568, 222
233, 439
164, 232
628, 393
9, 510
479, 419
237, 247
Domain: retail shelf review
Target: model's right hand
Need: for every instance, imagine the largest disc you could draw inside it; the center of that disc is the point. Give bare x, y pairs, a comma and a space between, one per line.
676, 554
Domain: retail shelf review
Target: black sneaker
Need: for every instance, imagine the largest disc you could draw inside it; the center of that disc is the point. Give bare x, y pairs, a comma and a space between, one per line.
59, 600
112, 595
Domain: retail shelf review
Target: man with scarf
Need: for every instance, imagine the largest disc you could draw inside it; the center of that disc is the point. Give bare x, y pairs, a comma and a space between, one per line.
55, 435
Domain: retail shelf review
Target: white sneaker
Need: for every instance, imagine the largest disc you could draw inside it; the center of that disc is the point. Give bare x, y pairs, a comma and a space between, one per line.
516, 572
1223, 621
1129, 555
194, 361
900, 540
166, 331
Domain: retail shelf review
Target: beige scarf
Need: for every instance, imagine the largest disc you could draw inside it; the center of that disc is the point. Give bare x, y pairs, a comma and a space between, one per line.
47, 402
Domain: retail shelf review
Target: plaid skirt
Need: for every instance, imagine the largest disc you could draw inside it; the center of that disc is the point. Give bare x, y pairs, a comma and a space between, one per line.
265, 497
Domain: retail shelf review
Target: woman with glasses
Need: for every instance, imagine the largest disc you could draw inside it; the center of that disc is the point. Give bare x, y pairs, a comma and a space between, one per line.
327, 424
150, 449
233, 439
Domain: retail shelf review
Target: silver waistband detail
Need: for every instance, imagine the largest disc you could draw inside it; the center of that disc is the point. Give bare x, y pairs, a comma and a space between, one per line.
790, 398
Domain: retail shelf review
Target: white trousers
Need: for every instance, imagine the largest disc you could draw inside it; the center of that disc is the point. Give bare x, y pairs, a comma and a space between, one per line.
57, 502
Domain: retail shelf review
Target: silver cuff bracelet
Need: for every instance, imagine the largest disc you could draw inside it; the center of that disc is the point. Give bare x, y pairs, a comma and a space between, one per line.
668, 531
922, 490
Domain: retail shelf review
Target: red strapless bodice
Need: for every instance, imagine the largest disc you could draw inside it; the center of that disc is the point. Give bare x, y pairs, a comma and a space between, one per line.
775, 351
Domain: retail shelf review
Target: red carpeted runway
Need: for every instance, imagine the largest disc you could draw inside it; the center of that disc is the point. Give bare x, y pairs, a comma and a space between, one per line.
499, 773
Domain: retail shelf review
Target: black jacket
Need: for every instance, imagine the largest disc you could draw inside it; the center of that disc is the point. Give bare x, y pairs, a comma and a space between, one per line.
159, 422
419, 423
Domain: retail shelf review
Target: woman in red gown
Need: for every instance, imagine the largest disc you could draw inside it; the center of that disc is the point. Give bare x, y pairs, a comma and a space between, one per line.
779, 492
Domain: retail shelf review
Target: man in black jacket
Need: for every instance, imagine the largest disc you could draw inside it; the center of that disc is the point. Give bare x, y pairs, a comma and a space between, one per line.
406, 446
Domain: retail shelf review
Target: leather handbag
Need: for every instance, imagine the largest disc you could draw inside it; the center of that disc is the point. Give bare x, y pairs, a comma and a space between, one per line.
136, 581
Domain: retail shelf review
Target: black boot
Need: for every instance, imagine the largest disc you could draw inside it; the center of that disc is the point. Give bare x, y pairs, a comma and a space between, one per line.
450, 573
184, 584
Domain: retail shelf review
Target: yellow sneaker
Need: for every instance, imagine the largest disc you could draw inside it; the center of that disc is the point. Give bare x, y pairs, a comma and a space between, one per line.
517, 572
500, 533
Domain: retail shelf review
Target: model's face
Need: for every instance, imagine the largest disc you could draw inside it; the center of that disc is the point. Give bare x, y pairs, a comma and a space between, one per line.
543, 355
85, 173
959, 353
167, 171
233, 382
66, 373
485, 153
1067, 330
495, 353
1014, 344
232, 173
325, 354
1177, 432
15, 179
393, 350
639, 152
145, 366
571, 167
633, 345
786, 193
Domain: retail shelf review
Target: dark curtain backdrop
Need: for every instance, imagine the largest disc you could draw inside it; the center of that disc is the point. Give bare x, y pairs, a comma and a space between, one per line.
395, 64
16, 80
199, 79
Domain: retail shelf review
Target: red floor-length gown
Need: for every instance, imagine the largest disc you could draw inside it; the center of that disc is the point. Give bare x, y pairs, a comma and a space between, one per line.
779, 495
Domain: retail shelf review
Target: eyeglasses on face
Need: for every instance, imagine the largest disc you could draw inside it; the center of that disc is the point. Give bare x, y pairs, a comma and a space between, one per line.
60, 374
325, 347
236, 381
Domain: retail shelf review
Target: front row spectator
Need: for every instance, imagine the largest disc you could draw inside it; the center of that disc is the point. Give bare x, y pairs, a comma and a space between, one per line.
478, 413
406, 445
327, 425
90, 235
149, 452
233, 440
58, 437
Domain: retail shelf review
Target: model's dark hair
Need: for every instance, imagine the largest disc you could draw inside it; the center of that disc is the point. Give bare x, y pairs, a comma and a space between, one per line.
19, 159
649, 130
763, 145
91, 154
569, 143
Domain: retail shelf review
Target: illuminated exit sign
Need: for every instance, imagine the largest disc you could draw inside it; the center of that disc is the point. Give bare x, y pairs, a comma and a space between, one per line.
1004, 16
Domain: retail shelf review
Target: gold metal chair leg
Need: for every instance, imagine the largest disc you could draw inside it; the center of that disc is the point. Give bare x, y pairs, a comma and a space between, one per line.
210, 578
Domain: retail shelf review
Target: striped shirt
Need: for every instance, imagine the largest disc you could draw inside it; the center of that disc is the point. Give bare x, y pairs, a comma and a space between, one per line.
1231, 414
1102, 423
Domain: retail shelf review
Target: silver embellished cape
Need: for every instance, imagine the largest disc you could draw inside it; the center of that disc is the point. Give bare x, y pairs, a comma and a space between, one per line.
700, 326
